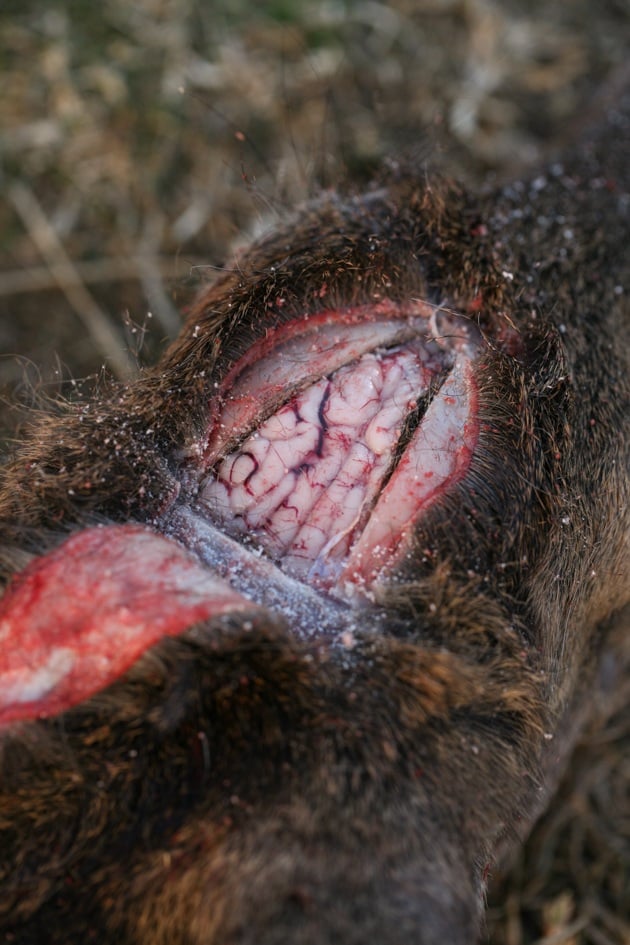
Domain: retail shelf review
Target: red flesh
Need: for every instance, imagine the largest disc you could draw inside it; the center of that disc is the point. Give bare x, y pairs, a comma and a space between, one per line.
78, 617
310, 491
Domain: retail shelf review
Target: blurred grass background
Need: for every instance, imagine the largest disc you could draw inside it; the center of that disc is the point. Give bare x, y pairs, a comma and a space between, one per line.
140, 142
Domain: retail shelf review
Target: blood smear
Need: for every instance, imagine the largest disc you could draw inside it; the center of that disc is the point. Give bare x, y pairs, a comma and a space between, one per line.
78, 617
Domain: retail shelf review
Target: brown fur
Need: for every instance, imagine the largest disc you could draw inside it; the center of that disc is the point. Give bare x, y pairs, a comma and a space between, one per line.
239, 786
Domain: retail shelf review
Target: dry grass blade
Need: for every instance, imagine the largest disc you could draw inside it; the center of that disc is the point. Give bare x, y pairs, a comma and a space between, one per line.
151, 276
107, 340
105, 270
566, 935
